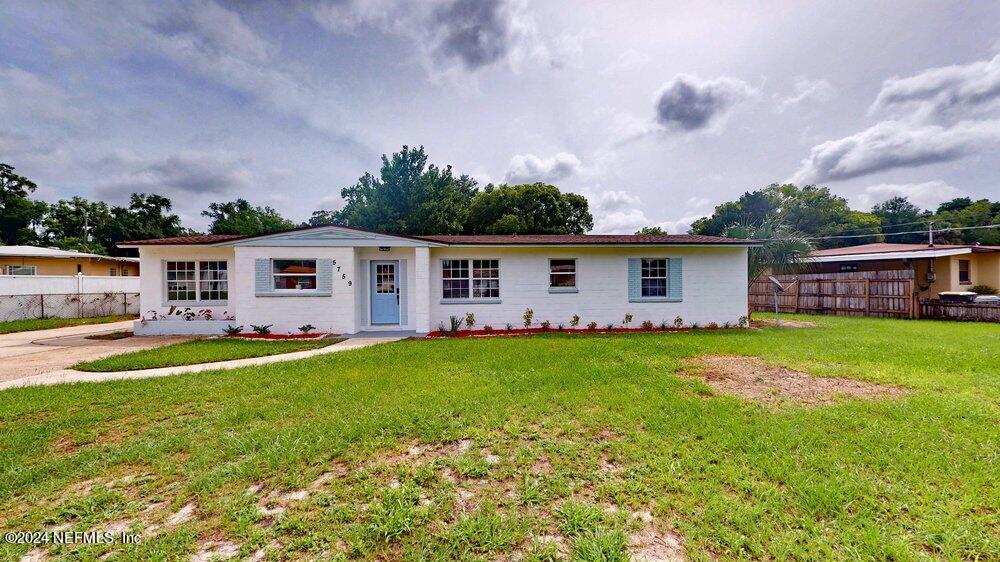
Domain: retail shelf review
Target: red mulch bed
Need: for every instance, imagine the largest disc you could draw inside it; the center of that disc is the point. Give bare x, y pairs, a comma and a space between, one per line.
530, 331
256, 336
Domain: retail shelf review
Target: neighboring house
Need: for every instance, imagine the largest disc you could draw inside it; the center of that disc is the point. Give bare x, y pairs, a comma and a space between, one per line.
348, 280
935, 268
34, 260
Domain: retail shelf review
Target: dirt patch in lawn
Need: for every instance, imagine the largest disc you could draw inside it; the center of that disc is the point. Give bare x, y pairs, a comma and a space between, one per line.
752, 378
769, 323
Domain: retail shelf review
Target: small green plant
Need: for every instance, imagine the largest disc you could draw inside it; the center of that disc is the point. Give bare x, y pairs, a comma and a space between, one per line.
560, 327
528, 317
628, 319
664, 325
510, 327
983, 290
678, 322
591, 326
470, 320
262, 329
610, 326
727, 325
456, 323
647, 325
546, 325
233, 330
307, 328
574, 321
744, 321
441, 329
695, 326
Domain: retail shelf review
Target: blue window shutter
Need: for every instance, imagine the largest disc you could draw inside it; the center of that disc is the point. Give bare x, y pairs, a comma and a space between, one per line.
675, 283
363, 293
263, 283
402, 292
324, 276
634, 282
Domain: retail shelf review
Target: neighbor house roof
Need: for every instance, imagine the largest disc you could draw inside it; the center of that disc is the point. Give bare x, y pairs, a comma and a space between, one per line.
887, 251
43, 252
477, 240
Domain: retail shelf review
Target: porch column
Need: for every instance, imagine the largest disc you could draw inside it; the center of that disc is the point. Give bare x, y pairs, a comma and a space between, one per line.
422, 289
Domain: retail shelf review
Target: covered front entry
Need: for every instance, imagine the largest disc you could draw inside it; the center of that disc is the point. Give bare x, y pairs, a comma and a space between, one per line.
385, 291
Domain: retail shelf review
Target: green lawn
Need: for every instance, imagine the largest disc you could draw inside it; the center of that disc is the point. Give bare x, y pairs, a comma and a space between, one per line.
46, 323
546, 446
199, 351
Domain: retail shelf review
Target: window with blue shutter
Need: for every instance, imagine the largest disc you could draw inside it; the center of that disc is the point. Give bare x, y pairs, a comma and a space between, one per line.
654, 280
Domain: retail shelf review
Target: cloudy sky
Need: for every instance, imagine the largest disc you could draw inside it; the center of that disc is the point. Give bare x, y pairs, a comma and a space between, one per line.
655, 111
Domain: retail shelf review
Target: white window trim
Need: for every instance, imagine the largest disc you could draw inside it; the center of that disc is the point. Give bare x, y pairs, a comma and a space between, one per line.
470, 299
576, 274
315, 288
33, 268
197, 284
666, 280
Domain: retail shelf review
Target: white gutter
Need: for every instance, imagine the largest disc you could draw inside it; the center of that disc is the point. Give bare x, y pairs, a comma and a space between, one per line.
892, 255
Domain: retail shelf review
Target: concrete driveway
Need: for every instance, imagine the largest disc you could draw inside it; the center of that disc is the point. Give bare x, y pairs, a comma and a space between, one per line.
25, 354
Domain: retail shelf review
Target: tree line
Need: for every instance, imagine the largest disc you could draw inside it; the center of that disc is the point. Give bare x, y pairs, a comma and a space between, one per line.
825, 220
408, 196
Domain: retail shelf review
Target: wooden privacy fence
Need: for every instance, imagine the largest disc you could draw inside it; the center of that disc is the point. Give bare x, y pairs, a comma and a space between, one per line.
886, 294
970, 312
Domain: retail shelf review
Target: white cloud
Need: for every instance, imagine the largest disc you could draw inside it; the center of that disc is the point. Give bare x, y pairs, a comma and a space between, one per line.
894, 144
926, 195
528, 168
619, 212
28, 99
806, 91
629, 60
956, 91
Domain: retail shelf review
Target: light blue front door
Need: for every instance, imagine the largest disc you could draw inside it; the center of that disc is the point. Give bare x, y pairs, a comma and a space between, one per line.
385, 292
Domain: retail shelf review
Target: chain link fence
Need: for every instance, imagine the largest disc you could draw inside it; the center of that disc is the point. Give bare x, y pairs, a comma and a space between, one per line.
73, 305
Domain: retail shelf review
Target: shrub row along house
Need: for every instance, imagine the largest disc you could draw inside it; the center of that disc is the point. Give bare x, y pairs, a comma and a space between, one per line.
348, 280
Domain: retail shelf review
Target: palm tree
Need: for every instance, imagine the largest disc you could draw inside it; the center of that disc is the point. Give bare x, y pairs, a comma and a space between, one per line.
785, 250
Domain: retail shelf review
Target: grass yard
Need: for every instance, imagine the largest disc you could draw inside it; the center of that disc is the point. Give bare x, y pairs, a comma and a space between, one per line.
587, 447
12, 326
200, 351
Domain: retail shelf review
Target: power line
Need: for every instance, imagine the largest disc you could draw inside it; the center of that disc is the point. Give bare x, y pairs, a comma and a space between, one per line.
887, 233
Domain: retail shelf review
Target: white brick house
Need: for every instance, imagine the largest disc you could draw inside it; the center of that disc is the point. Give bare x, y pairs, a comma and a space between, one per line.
348, 280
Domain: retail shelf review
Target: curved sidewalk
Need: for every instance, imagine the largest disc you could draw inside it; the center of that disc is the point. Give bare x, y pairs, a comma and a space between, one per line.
70, 375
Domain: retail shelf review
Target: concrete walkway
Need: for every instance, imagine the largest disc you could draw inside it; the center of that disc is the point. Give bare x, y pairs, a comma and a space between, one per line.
69, 375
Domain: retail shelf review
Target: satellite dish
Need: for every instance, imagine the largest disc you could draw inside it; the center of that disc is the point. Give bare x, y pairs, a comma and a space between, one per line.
777, 284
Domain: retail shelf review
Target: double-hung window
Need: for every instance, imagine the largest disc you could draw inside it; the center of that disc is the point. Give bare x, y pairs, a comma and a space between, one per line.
470, 279
653, 277
294, 275
197, 281
562, 275
963, 272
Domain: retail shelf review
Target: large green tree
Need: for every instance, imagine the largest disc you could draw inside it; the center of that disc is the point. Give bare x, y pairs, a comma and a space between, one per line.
899, 215
810, 210
240, 217
20, 216
146, 216
78, 224
407, 197
533, 208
